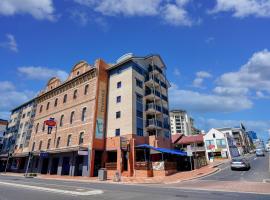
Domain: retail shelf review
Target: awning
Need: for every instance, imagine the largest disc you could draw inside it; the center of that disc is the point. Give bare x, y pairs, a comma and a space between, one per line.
163, 150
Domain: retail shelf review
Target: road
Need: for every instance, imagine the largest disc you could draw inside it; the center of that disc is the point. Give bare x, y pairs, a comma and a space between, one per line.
202, 189
258, 173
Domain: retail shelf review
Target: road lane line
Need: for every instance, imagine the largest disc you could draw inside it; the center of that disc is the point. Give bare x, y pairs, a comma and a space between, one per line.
68, 192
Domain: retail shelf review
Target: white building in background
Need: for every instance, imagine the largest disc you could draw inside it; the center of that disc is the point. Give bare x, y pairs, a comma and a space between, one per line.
219, 145
182, 123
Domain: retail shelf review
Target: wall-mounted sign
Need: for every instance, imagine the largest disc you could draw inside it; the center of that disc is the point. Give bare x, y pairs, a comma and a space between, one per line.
82, 153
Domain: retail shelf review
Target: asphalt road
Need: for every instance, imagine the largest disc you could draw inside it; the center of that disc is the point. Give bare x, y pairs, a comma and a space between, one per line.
12, 188
258, 173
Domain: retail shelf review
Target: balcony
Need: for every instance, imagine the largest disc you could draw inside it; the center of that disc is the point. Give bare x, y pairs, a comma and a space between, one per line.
155, 69
152, 108
164, 98
153, 124
151, 81
151, 94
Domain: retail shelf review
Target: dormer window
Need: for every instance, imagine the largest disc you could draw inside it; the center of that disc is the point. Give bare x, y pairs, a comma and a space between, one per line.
78, 73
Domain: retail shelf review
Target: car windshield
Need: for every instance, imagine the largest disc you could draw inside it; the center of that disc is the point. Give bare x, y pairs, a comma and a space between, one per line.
238, 159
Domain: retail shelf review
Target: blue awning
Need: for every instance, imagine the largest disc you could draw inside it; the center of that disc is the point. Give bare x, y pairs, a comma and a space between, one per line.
163, 150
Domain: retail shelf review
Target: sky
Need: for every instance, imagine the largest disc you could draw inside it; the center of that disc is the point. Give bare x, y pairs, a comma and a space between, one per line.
217, 52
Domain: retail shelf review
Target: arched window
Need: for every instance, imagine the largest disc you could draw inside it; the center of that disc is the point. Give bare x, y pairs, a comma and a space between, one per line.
65, 98
61, 120
58, 142
40, 145
48, 106
37, 127
75, 94
72, 117
49, 144
55, 102
40, 108
69, 140
81, 138
33, 146
86, 89
84, 114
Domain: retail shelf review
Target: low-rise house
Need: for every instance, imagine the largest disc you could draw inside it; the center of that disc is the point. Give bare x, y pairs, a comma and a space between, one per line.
195, 144
219, 145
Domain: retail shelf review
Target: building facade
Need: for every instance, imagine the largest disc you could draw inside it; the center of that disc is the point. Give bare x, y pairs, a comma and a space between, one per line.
74, 146
181, 123
3, 129
137, 110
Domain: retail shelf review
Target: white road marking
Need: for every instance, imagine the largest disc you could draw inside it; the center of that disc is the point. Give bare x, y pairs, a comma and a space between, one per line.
68, 192
255, 158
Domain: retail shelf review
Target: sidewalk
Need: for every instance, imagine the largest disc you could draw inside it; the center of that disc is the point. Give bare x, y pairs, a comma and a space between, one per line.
174, 178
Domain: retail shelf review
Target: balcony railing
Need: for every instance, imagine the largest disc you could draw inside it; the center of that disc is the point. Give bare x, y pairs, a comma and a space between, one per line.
152, 92
158, 81
152, 68
153, 106
153, 122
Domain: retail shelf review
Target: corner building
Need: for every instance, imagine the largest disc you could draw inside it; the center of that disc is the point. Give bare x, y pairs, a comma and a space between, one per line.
137, 112
78, 105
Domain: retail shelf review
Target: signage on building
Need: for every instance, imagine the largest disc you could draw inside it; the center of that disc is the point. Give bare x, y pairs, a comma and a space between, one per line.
189, 150
82, 153
44, 154
101, 111
123, 143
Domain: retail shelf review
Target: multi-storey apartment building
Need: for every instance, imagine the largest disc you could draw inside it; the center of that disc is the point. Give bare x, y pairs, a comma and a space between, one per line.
137, 109
181, 123
3, 128
74, 146
16, 139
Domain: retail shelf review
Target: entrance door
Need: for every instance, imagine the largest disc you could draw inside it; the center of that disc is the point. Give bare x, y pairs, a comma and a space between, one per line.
125, 161
78, 166
65, 166
45, 164
54, 166
98, 161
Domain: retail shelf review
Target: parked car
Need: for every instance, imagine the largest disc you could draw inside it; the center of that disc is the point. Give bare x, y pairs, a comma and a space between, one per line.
260, 152
240, 163
252, 151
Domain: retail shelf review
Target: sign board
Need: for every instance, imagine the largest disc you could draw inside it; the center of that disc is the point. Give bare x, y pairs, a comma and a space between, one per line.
101, 110
82, 153
44, 154
189, 150
123, 143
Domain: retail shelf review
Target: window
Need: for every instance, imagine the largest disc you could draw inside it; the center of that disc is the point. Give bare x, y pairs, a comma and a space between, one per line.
86, 89
81, 138
75, 94
55, 102
69, 140
43, 127
139, 83
83, 114
28, 114
139, 131
61, 120
58, 142
21, 125
118, 114
221, 143
139, 98
49, 144
48, 106
119, 84
71, 117
208, 143
117, 132
118, 99
23, 116
78, 73
65, 98
37, 127
40, 145
139, 114
214, 135
40, 108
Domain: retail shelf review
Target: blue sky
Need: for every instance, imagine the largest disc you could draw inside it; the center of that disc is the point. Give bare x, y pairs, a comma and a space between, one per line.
217, 52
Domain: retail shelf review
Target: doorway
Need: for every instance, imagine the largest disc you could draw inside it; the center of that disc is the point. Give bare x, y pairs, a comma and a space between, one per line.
98, 161
125, 161
65, 166
54, 166
45, 164
78, 166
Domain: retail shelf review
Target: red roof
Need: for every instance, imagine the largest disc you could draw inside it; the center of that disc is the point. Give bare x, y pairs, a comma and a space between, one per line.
191, 139
176, 137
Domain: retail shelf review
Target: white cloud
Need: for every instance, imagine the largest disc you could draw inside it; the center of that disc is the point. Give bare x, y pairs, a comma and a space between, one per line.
261, 127
200, 77
171, 11
203, 102
231, 91
11, 98
254, 75
10, 43
43, 73
176, 72
243, 8
39, 9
